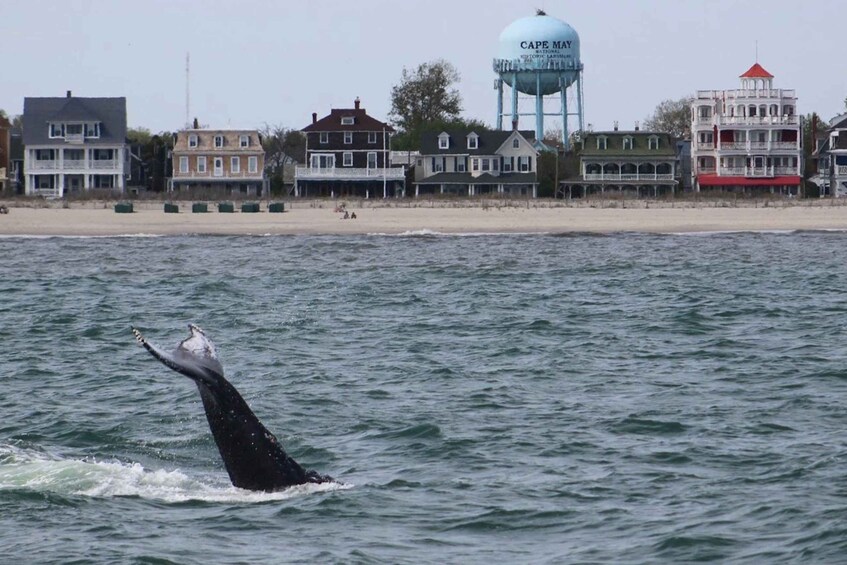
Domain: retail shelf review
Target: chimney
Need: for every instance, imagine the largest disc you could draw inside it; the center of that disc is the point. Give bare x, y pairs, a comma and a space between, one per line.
616, 125
356, 103
514, 125
68, 95
636, 126
314, 117
196, 123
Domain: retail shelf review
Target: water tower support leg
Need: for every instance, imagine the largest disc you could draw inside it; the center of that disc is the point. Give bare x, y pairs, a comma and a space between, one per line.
579, 101
539, 109
499, 104
563, 94
514, 99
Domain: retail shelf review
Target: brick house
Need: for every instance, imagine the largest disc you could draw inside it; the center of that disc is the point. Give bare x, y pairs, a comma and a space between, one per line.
347, 154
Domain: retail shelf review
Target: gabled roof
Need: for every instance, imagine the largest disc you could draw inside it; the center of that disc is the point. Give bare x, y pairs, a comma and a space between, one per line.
838, 122
110, 112
488, 142
361, 122
756, 71
640, 147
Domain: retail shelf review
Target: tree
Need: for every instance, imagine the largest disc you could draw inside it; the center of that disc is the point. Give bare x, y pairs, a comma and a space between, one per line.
16, 121
426, 95
283, 147
154, 153
673, 117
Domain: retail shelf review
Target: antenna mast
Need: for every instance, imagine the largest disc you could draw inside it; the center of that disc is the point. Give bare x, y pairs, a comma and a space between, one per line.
187, 97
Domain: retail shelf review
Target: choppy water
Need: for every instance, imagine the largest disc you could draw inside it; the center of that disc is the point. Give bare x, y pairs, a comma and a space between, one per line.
519, 398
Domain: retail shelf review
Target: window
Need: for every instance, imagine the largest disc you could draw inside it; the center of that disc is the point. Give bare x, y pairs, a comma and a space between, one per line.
348, 159
516, 143
57, 130
460, 164
201, 164
371, 137
73, 129
244, 141
508, 165
523, 163
253, 164
437, 165
43, 154
347, 120
475, 164
653, 142
602, 142
495, 164
627, 143
348, 137
420, 162
183, 165
443, 141
219, 141
372, 159
92, 129
218, 164
485, 164
324, 137
235, 165
193, 141
473, 141
706, 138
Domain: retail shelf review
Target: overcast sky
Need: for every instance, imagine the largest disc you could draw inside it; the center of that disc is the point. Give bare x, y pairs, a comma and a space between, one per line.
275, 62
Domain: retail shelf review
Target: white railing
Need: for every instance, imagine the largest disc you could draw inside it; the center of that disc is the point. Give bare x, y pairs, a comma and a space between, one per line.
775, 93
784, 145
104, 164
734, 145
705, 145
73, 164
628, 176
393, 173
706, 170
47, 192
765, 172
43, 165
757, 120
209, 174
74, 138
757, 145
841, 170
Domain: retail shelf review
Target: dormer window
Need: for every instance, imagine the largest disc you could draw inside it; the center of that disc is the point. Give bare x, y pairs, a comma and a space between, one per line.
219, 141
602, 142
653, 142
57, 130
192, 140
473, 141
443, 141
347, 120
516, 143
244, 141
627, 143
92, 129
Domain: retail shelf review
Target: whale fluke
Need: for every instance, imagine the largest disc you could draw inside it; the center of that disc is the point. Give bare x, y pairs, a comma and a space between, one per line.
254, 458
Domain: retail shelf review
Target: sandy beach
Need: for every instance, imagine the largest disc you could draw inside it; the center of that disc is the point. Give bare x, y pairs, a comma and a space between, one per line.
319, 217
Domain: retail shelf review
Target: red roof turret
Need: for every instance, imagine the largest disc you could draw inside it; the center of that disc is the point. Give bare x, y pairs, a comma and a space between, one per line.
757, 71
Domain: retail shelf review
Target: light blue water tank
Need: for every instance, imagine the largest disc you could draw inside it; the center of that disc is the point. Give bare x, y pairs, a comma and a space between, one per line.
538, 47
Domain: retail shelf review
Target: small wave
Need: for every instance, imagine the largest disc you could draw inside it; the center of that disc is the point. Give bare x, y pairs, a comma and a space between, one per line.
60, 236
432, 233
31, 470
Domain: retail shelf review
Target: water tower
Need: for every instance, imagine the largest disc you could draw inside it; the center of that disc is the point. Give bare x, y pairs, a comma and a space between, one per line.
539, 56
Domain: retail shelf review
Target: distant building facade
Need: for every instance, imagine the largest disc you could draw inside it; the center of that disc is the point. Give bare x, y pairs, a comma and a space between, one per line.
74, 144
472, 163
747, 139
5, 152
643, 163
831, 157
229, 159
348, 154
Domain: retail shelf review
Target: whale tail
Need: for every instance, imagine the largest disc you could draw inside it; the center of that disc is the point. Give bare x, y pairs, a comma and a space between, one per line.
253, 456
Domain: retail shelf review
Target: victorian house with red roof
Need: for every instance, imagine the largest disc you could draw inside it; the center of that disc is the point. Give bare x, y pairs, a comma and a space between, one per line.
348, 154
748, 139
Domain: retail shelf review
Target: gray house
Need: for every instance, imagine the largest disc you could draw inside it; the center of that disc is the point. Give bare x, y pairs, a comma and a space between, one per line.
470, 163
74, 144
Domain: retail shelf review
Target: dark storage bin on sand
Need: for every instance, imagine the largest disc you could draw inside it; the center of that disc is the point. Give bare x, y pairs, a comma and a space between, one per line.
226, 207
277, 207
199, 208
250, 207
123, 207
171, 208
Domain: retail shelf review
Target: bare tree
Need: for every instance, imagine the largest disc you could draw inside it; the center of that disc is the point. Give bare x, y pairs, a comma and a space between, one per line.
426, 95
284, 147
673, 117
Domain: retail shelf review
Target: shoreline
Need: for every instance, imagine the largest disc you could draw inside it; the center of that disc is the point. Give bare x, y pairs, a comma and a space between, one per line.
444, 217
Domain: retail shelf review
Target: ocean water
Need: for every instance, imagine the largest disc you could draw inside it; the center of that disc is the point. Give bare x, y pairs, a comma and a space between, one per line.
520, 398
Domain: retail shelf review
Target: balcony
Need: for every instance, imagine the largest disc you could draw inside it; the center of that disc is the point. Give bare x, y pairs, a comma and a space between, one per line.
103, 164
211, 174
756, 172
774, 93
73, 164
758, 146
349, 173
757, 120
841, 170
76, 138
43, 165
629, 176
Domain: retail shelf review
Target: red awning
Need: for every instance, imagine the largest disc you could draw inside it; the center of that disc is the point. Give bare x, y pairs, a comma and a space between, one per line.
715, 180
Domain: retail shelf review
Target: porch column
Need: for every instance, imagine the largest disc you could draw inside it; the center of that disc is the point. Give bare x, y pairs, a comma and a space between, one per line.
417, 190
60, 184
442, 188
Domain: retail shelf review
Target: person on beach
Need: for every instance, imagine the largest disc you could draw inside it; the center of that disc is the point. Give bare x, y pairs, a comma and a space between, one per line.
346, 215
353, 216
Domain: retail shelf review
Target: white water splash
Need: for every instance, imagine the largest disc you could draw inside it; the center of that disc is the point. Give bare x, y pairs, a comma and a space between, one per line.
36, 471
